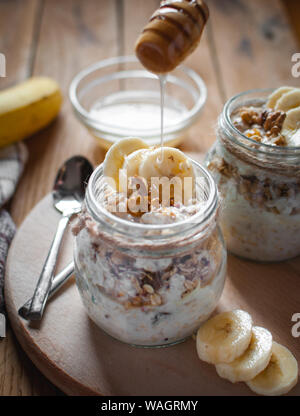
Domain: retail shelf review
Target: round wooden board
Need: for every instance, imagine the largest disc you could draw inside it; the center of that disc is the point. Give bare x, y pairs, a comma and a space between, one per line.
80, 359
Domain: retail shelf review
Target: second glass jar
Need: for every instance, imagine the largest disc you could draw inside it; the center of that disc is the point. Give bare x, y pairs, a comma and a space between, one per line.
259, 186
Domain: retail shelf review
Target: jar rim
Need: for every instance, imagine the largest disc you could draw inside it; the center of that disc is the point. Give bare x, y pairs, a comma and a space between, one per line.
264, 148
200, 218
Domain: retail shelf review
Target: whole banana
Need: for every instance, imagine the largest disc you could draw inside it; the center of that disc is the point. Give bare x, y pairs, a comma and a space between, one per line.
28, 107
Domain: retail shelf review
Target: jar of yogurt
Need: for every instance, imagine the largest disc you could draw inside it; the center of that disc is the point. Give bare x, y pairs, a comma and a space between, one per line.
256, 165
149, 278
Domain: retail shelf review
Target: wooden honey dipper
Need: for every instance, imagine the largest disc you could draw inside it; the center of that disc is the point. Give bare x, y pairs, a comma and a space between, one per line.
172, 33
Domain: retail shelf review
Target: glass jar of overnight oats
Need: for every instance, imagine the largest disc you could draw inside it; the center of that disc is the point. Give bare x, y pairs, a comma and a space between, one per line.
256, 165
150, 283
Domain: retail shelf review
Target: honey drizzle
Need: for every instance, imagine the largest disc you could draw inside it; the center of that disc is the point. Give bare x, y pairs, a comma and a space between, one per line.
162, 84
163, 77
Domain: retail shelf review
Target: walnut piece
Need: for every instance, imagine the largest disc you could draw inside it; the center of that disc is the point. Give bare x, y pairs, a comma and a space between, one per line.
248, 115
269, 119
273, 122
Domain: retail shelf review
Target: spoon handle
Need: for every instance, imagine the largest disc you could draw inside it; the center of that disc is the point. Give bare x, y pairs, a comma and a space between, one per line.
43, 286
58, 281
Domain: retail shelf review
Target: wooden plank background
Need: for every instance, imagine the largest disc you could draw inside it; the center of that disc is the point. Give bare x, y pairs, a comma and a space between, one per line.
247, 44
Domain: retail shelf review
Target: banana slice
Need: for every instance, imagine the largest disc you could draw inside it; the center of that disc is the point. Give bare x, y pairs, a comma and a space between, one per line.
115, 157
276, 95
293, 139
288, 100
131, 166
224, 337
254, 360
280, 376
166, 162
292, 121
133, 161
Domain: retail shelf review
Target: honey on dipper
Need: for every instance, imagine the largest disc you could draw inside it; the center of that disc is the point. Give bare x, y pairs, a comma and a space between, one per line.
172, 33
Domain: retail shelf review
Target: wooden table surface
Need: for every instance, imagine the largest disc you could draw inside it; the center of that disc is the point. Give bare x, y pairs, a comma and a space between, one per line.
248, 44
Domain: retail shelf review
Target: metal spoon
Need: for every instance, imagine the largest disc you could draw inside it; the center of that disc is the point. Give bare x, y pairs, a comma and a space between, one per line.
68, 193
58, 281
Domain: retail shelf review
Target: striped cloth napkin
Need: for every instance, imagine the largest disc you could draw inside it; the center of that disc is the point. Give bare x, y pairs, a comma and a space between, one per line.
12, 161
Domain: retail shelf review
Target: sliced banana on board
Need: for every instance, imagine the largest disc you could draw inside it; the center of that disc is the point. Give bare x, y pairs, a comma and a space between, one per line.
254, 360
276, 95
289, 100
224, 337
115, 157
280, 376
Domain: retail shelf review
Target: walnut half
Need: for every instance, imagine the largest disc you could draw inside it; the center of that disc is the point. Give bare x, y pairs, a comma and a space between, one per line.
273, 122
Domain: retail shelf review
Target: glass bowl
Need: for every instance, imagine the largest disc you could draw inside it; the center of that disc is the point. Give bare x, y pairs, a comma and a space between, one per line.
117, 98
